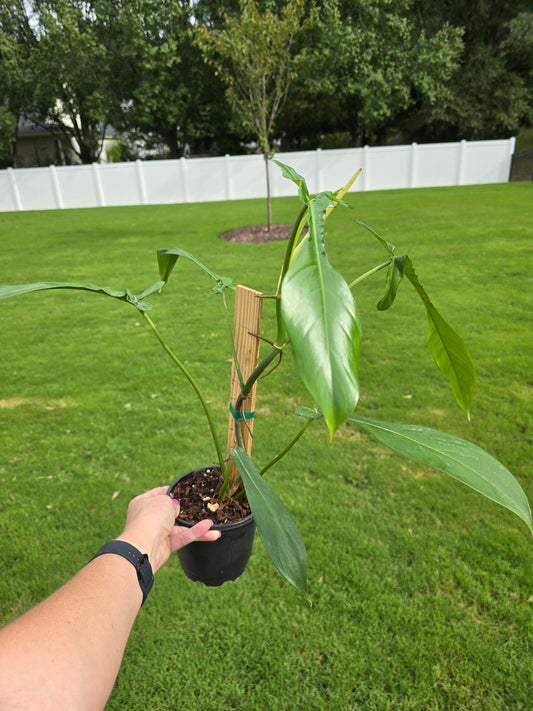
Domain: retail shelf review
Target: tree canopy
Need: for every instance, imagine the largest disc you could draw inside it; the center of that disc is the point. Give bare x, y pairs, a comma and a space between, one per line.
306, 73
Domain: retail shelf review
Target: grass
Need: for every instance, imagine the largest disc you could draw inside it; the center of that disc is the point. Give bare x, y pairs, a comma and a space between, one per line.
421, 591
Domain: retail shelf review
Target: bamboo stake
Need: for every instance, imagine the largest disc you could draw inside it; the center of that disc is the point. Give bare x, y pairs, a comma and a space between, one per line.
246, 332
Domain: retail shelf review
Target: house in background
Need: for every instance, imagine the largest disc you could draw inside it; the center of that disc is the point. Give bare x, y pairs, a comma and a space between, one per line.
35, 146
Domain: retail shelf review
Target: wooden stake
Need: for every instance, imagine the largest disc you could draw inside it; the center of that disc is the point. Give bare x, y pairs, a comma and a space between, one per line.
246, 332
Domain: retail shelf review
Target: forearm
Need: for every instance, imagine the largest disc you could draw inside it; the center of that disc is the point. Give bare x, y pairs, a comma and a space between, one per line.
66, 652
64, 655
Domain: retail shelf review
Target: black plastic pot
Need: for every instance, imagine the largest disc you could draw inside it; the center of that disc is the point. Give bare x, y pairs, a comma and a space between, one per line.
216, 562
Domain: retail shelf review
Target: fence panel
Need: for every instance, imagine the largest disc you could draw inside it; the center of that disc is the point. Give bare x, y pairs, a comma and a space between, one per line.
243, 177
487, 162
77, 185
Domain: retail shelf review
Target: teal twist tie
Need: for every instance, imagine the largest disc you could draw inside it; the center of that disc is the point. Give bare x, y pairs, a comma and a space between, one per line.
238, 416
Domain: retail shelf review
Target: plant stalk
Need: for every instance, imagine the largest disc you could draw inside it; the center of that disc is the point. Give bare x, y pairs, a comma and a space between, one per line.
287, 448
195, 388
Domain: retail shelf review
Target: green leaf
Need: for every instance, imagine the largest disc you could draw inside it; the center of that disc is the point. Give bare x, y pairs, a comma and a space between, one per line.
388, 246
151, 289
322, 322
125, 295
454, 456
278, 532
167, 258
394, 279
296, 178
312, 413
447, 347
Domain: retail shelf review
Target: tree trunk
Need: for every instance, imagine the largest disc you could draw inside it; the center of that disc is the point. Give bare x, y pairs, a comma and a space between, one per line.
269, 201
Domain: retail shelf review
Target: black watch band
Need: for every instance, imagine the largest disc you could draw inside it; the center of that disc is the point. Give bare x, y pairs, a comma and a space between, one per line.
139, 561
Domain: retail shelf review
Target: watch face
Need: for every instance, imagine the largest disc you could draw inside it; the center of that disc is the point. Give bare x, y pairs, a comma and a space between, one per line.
145, 573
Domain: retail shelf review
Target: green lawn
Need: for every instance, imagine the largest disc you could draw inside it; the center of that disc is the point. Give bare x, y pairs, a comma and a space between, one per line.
421, 591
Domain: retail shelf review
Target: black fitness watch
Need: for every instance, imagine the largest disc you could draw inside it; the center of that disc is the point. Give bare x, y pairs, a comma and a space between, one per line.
139, 561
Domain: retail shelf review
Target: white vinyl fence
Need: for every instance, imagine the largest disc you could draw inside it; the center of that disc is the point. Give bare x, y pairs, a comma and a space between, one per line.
241, 177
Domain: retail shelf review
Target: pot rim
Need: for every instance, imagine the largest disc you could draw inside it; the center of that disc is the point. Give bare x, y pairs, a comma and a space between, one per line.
216, 526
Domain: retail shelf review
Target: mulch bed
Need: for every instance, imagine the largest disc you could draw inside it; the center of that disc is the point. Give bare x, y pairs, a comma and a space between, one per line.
197, 496
257, 234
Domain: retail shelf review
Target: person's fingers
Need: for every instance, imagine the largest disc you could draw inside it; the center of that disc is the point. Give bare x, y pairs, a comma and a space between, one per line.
157, 491
182, 536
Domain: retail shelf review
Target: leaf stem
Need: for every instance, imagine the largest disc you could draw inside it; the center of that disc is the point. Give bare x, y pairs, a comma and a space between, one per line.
287, 448
369, 273
195, 388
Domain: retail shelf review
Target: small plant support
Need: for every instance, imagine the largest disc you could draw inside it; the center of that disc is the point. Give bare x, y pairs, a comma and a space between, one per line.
246, 338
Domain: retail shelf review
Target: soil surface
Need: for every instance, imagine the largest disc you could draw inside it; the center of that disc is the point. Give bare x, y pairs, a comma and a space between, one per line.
197, 496
256, 234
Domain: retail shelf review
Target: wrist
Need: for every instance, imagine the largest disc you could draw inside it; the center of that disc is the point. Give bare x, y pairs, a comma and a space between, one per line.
139, 560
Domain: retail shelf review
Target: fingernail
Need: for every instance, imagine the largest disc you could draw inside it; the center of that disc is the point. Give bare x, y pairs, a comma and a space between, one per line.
220, 534
176, 501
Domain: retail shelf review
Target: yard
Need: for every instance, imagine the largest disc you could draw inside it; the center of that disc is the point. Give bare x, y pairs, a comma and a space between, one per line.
420, 591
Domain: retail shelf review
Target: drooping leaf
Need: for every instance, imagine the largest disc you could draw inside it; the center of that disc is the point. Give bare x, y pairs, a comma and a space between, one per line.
296, 178
277, 530
457, 457
125, 295
388, 246
167, 258
323, 325
394, 279
447, 347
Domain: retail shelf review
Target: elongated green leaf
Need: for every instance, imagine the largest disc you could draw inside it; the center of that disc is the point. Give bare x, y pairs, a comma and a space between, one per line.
454, 456
125, 295
167, 258
296, 178
447, 347
322, 322
278, 531
388, 246
394, 279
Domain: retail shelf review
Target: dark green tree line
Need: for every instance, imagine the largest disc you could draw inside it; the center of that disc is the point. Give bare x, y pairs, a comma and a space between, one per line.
369, 71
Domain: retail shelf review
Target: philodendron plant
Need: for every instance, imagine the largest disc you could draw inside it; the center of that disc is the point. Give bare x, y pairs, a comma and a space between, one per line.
318, 320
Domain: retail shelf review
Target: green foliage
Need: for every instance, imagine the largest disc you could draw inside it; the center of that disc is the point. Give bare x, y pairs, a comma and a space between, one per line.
490, 90
169, 96
317, 317
282, 540
454, 456
371, 60
255, 57
420, 588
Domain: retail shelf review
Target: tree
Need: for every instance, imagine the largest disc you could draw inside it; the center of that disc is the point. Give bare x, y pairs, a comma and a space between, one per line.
172, 97
491, 91
17, 41
254, 56
368, 62
75, 70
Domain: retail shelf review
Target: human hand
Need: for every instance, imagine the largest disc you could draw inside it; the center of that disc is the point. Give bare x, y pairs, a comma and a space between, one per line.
150, 527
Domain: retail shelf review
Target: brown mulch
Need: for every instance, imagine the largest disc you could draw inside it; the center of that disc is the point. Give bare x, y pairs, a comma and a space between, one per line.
257, 234
197, 496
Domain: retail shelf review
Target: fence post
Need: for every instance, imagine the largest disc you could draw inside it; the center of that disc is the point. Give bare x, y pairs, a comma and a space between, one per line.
366, 167
318, 170
56, 187
98, 185
461, 166
140, 181
183, 166
14, 188
512, 142
227, 172
412, 166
